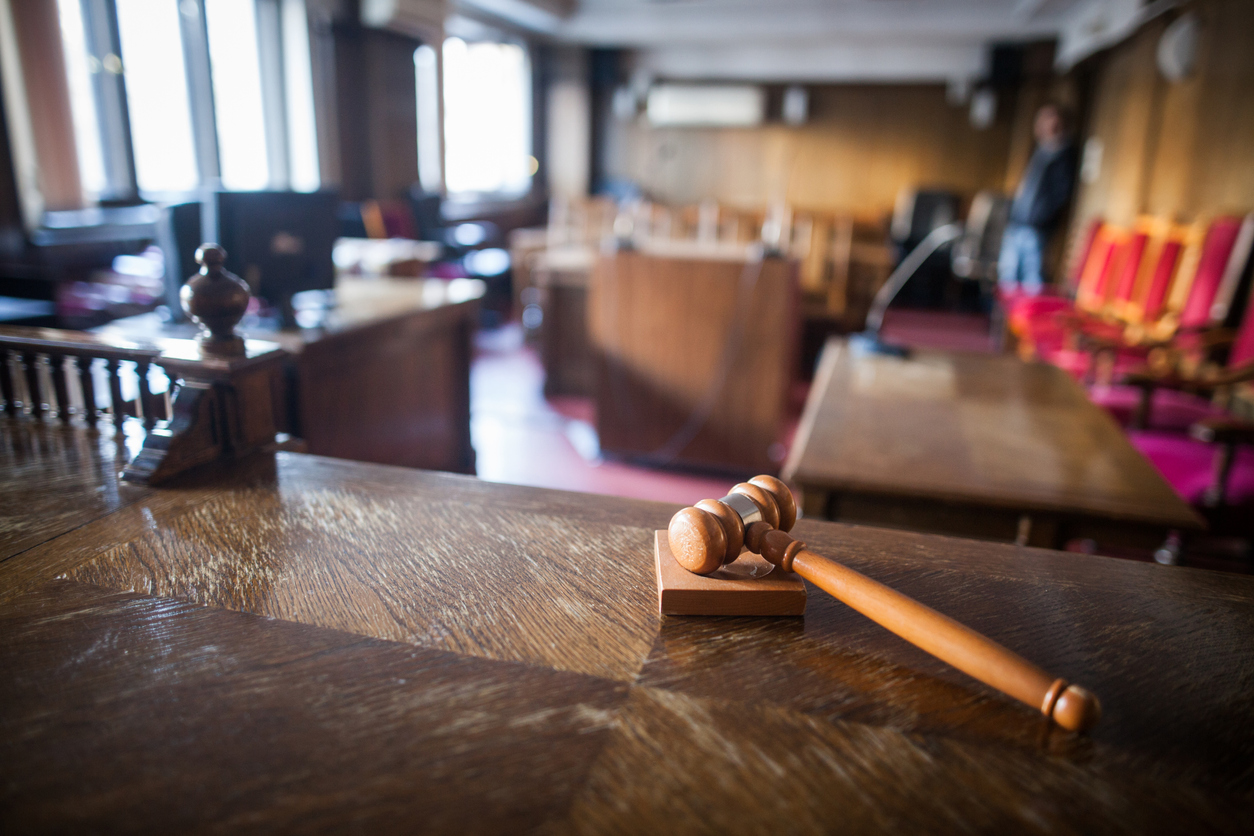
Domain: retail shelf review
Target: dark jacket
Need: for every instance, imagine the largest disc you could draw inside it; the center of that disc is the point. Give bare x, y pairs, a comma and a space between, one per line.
1046, 188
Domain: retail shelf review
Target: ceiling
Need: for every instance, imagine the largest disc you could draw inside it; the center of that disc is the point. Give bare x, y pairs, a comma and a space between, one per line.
816, 40
658, 22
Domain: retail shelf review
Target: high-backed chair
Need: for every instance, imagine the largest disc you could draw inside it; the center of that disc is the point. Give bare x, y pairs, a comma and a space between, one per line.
1189, 335
1212, 469
1020, 308
1042, 324
1140, 275
1177, 397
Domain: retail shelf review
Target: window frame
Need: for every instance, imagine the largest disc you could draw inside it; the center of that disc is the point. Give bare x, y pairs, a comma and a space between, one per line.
104, 47
103, 44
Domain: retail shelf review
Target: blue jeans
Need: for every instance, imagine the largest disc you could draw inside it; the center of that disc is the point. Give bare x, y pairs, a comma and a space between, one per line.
1019, 265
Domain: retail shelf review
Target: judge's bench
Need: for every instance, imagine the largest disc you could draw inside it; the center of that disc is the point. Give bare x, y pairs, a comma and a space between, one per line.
280, 641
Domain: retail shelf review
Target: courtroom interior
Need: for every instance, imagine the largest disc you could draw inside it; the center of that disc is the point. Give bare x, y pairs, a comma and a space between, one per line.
371, 372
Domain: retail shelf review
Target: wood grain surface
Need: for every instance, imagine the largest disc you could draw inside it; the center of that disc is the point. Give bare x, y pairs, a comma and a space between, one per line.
274, 725
953, 432
57, 478
315, 644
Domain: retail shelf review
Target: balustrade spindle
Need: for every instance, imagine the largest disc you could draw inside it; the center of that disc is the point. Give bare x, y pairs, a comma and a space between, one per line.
87, 383
56, 363
6, 383
146, 405
171, 391
115, 393
34, 387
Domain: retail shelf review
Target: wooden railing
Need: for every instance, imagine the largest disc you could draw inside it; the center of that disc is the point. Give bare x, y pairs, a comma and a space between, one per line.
213, 406
220, 394
31, 356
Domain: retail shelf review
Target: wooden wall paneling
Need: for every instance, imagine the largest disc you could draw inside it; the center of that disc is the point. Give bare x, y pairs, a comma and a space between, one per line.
1124, 108
1171, 186
863, 144
1022, 138
352, 112
1223, 176
1176, 149
377, 112
393, 112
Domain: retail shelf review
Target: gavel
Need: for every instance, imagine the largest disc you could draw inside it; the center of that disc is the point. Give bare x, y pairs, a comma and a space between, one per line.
756, 515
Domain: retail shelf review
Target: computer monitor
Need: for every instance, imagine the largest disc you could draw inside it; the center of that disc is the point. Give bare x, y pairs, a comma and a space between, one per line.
279, 242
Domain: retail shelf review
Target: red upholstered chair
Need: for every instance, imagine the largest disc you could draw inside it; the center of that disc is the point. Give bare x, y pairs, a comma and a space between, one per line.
1141, 273
1021, 308
1140, 315
1212, 468
1173, 399
1038, 321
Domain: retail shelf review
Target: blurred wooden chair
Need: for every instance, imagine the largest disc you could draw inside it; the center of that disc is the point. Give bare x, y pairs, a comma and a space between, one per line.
1190, 322
1202, 450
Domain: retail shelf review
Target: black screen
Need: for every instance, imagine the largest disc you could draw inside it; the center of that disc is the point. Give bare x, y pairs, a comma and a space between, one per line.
279, 242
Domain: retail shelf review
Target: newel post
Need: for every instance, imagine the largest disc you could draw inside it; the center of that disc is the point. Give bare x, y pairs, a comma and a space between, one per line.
228, 389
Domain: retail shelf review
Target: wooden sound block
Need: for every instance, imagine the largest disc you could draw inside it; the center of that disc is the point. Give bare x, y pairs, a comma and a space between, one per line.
744, 587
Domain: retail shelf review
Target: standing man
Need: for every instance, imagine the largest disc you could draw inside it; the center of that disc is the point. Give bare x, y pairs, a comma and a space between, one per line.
1042, 196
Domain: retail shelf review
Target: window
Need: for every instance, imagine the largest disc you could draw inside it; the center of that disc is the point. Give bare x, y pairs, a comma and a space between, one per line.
302, 129
171, 95
487, 119
427, 84
240, 120
157, 95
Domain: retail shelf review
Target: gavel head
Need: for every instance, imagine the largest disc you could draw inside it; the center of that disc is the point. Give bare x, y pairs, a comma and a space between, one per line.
711, 533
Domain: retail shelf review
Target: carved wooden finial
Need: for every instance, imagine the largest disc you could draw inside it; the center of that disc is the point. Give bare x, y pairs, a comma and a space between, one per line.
216, 299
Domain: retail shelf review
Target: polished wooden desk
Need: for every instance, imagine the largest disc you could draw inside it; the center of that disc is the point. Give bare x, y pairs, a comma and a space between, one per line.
382, 376
973, 444
682, 330
302, 643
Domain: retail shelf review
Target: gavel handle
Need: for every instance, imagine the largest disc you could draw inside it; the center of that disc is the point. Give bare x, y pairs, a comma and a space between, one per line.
1070, 706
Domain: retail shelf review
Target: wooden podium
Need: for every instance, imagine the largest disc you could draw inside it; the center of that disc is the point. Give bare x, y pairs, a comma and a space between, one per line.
702, 331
